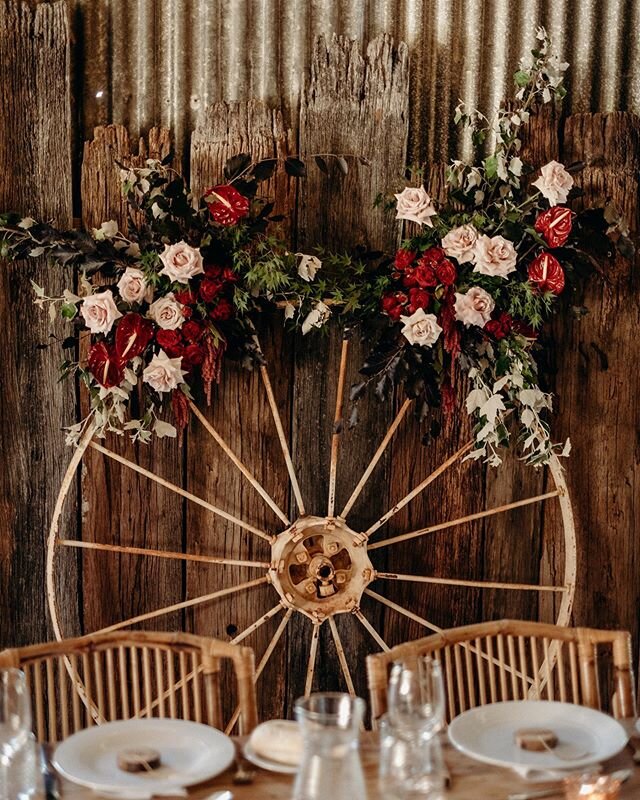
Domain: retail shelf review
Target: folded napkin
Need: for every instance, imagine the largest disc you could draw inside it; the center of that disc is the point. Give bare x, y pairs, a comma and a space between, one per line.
140, 794
536, 775
278, 740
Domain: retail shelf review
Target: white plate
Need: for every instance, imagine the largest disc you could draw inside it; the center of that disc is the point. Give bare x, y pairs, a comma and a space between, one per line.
190, 753
267, 763
487, 733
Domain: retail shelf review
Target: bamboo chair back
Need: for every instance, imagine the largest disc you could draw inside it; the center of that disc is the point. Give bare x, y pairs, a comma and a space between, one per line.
78, 683
514, 660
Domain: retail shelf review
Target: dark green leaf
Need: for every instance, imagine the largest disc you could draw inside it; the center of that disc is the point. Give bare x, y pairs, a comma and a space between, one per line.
264, 169
342, 165
236, 165
521, 78
295, 167
625, 247
322, 164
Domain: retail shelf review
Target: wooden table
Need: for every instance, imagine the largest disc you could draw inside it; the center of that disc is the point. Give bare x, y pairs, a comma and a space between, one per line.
471, 780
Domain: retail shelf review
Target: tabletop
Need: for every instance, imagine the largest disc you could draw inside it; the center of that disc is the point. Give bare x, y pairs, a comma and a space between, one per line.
470, 780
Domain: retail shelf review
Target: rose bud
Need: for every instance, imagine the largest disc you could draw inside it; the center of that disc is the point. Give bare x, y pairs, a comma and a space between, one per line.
133, 334
105, 365
223, 311
418, 298
192, 331
446, 272
546, 273
391, 307
171, 342
226, 205
555, 225
210, 289
404, 258
229, 276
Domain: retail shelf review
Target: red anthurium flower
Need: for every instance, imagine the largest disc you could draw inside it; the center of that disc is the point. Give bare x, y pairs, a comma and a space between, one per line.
226, 205
546, 273
105, 365
555, 225
133, 334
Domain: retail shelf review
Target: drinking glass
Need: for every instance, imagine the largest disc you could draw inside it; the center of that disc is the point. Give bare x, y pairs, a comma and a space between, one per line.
15, 712
409, 768
330, 768
416, 698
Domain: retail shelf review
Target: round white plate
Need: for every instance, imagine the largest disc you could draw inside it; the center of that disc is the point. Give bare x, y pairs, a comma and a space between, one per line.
190, 753
487, 733
267, 763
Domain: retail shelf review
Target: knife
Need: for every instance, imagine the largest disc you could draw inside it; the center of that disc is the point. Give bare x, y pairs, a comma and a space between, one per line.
49, 776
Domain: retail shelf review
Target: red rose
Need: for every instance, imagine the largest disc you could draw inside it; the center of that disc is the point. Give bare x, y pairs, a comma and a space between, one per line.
393, 304
192, 356
546, 273
418, 298
170, 342
192, 331
223, 311
133, 334
213, 271
446, 272
404, 258
226, 205
186, 297
524, 330
555, 225
105, 365
210, 289
500, 327
432, 257
425, 276
229, 276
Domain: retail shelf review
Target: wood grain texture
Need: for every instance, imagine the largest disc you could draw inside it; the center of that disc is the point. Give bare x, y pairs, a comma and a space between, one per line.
240, 414
354, 104
120, 506
35, 180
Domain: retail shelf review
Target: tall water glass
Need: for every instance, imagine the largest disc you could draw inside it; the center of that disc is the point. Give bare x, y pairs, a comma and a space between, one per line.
330, 767
17, 743
415, 698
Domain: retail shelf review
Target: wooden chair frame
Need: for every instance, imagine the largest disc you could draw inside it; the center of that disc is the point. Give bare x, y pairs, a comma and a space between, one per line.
468, 652
93, 671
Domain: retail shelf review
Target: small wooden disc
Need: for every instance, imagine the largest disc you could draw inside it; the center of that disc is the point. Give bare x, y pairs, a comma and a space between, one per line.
536, 739
138, 759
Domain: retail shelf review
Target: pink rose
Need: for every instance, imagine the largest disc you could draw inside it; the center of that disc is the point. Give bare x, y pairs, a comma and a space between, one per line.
167, 312
132, 285
181, 262
460, 242
421, 328
474, 307
554, 183
99, 311
163, 374
415, 205
496, 256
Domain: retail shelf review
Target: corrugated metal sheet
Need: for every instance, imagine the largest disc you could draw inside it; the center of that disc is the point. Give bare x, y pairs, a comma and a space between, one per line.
143, 62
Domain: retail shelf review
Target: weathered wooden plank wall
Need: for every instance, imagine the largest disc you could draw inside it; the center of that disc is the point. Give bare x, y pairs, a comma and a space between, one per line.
354, 104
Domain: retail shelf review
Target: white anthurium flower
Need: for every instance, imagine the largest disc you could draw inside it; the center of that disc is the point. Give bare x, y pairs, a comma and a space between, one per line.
554, 183
421, 329
317, 317
308, 266
106, 231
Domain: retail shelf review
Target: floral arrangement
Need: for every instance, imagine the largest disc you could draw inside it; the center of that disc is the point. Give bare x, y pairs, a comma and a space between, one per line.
467, 291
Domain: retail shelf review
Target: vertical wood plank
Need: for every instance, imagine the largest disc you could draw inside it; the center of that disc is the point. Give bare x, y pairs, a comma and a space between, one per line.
356, 104
240, 413
35, 179
120, 506
595, 361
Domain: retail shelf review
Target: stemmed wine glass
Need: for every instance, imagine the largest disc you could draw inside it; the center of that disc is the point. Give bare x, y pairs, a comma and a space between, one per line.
15, 719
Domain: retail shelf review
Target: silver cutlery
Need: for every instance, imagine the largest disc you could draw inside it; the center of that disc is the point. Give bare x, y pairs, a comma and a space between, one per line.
224, 795
622, 775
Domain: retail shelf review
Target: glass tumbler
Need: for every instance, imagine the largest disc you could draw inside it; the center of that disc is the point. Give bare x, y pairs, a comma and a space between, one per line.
330, 767
17, 754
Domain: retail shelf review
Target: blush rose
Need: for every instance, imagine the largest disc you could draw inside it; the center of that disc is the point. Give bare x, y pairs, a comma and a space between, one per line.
99, 312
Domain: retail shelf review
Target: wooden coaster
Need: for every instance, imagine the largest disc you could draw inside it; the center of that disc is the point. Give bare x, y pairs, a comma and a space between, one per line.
536, 739
138, 759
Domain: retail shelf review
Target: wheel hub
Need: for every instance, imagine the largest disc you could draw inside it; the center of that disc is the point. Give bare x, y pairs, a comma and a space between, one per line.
320, 567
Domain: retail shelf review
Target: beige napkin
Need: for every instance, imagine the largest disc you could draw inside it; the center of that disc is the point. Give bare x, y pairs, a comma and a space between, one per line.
278, 740
536, 775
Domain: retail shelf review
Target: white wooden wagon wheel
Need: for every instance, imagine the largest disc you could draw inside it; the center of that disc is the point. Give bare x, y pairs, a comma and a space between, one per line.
318, 566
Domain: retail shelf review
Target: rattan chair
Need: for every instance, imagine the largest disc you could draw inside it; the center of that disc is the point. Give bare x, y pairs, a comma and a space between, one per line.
77, 683
514, 660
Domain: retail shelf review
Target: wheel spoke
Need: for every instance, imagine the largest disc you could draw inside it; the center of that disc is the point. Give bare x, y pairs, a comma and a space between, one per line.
377, 456
143, 551
263, 663
469, 518
337, 429
182, 492
236, 461
521, 587
341, 656
421, 487
255, 625
283, 442
374, 633
205, 598
311, 665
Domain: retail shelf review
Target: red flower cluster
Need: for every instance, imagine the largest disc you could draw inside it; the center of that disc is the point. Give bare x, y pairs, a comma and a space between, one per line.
226, 205
555, 225
107, 361
417, 276
500, 327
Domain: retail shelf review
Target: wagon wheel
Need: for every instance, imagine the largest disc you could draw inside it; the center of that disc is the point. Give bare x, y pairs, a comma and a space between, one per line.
318, 566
